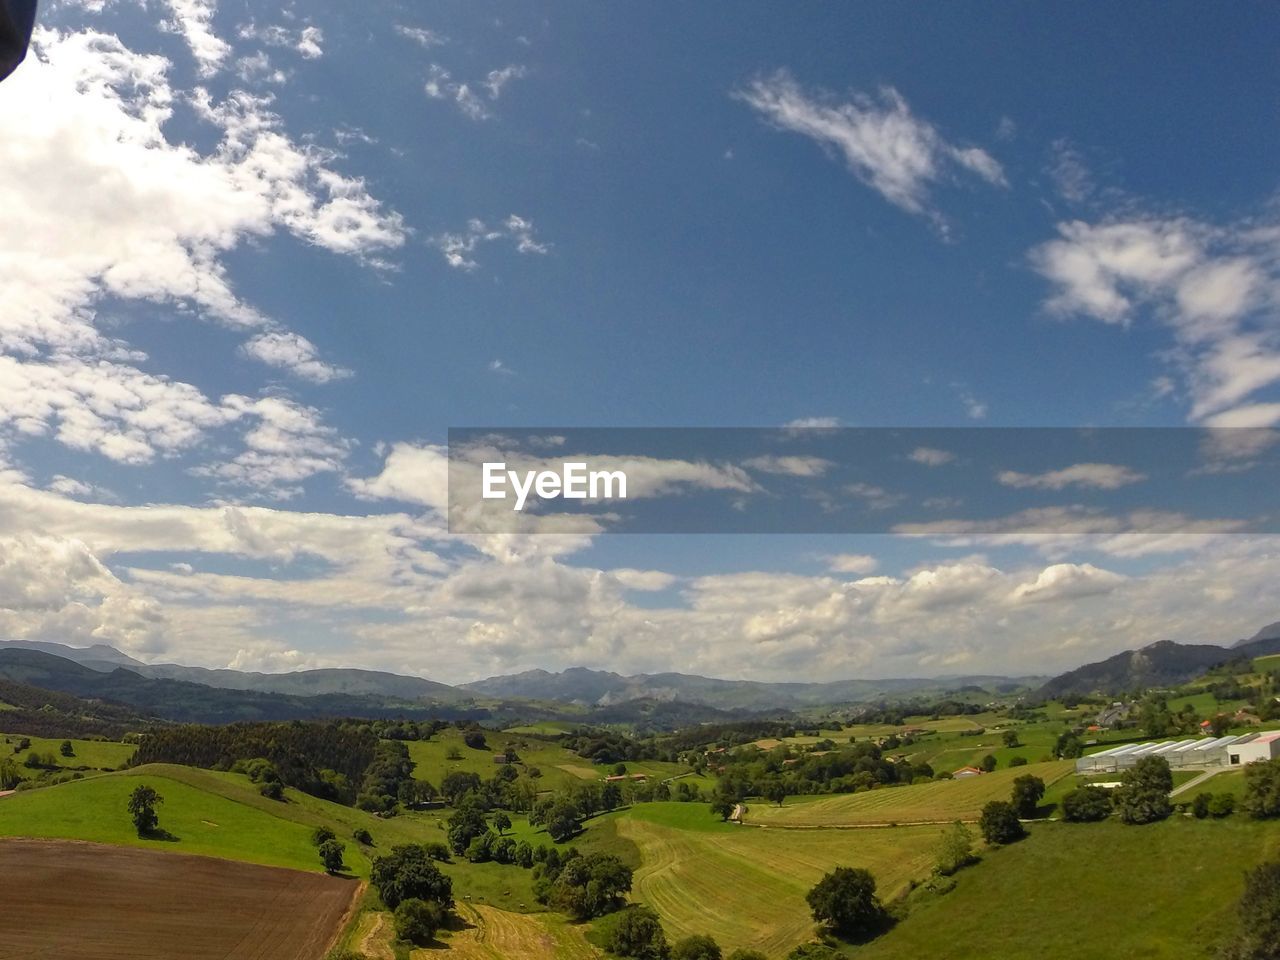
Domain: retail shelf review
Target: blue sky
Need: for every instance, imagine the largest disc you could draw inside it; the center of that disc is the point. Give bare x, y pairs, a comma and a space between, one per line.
264, 256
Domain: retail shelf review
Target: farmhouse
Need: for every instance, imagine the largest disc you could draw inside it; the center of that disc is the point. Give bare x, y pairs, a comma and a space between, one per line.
965, 772
1196, 753
1112, 715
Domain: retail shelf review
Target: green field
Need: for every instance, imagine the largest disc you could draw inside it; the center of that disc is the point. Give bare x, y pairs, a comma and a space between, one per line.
89, 754
1166, 891
746, 886
934, 802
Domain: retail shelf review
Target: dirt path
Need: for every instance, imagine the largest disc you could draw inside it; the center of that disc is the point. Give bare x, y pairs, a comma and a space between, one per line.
375, 941
494, 934
1193, 782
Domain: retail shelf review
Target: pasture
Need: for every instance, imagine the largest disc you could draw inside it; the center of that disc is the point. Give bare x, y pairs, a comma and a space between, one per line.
934, 802
80, 901
1164, 891
746, 886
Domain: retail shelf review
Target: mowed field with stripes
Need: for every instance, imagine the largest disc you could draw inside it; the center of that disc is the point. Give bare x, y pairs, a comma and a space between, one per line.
746, 885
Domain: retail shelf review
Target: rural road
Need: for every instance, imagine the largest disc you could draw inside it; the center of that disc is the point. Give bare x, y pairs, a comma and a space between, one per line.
1195, 782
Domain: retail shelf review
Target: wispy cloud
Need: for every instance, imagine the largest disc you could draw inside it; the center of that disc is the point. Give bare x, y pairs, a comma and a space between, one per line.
882, 142
458, 248
1091, 476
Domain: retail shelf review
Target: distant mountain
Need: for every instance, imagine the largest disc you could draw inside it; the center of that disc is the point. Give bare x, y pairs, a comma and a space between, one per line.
302, 683
199, 703
1270, 632
1162, 664
599, 688
99, 656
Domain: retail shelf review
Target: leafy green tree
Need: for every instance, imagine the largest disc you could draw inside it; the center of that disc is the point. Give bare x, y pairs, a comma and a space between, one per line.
1262, 789
999, 823
9, 777
697, 947
331, 852
638, 934
591, 886
722, 807
66, 749
775, 791
408, 872
1143, 794
1069, 746
362, 835
1010, 738
562, 821
1028, 790
988, 764
845, 900
814, 951
1086, 804
955, 850
320, 834
1222, 805
501, 822
1200, 805
465, 825
416, 921
524, 854
1017, 761
1258, 934
142, 808
475, 740
480, 849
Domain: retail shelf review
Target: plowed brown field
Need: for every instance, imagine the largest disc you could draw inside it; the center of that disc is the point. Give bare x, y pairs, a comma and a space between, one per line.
83, 901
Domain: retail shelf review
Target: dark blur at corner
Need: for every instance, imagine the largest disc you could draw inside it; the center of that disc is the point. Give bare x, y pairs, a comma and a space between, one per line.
17, 18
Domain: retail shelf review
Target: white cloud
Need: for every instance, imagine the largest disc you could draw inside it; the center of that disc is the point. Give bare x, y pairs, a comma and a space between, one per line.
859, 564
1214, 289
930, 456
458, 248
1067, 581
790, 466
497, 79
193, 19
876, 498
1069, 172
306, 41
1089, 476
292, 352
881, 141
421, 35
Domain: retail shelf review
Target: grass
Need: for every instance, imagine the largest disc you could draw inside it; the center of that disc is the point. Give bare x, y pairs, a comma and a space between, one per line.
89, 754
937, 801
1166, 891
746, 886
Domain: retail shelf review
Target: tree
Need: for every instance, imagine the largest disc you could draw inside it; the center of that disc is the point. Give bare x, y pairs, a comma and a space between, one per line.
845, 900
501, 822
1069, 746
1086, 804
1027, 793
722, 807
465, 825
362, 835
320, 834
1222, 805
331, 852
9, 777
562, 821
142, 807
1262, 789
988, 763
775, 791
408, 872
999, 823
1010, 738
1143, 794
591, 886
416, 921
1259, 912
955, 850
1220, 725
1200, 805
475, 740
638, 933
814, 951
66, 749
697, 947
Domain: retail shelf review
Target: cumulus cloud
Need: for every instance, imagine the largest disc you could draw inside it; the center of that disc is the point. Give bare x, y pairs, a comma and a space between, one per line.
193, 19
1089, 476
294, 353
421, 36
1214, 289
882, 142
1067, 581
859, 564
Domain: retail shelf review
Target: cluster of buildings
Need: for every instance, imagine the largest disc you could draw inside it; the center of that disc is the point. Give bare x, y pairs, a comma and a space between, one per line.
1230, 751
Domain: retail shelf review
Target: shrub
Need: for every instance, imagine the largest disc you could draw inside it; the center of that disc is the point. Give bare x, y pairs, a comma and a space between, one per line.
1143, 794
1259, 911
417, 921
1222, 805
696, 947
1086, 804
331, 852
407, 873
272, 789
1200, 805
955, 850
1262, 789
638, 933
475, 740
362, 835
320, 834
999, 823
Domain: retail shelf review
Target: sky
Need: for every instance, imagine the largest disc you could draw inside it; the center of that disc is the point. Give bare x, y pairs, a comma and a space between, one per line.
258, 259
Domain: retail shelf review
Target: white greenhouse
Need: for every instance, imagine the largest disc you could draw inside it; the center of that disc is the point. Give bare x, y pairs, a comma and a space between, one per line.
1192, 753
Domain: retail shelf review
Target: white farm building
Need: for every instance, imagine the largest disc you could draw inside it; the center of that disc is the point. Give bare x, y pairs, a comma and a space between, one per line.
1230, 751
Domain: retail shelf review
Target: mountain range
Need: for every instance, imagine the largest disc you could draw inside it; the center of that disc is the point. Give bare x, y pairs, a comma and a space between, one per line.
178, 692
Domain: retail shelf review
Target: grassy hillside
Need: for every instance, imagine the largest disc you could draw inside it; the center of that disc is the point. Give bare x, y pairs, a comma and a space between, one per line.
746, 886
88, 754
939, 800
1160, 892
